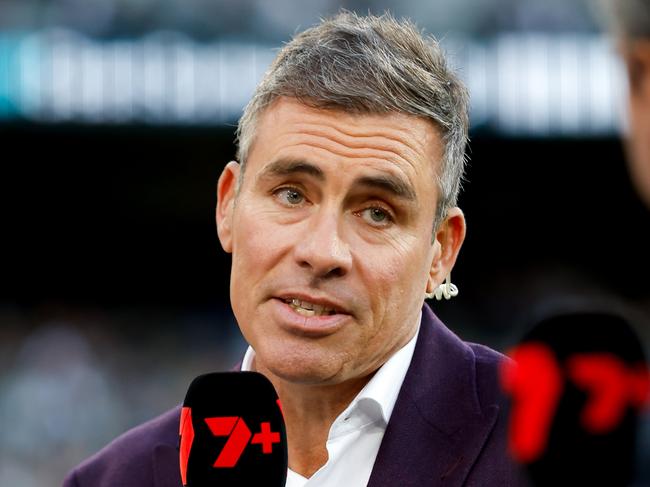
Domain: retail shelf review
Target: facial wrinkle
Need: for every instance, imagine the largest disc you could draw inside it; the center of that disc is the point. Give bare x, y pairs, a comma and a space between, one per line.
373, 128
343, 151
398, 146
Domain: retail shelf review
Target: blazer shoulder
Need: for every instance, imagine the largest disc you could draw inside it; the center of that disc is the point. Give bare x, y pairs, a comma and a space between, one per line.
495, 466
129, 459
488, 364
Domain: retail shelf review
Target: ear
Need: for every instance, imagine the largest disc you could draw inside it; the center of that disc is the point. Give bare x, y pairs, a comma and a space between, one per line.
448, 240
226, 195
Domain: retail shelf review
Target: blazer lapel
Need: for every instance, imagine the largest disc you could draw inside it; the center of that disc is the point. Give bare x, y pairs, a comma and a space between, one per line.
437, 428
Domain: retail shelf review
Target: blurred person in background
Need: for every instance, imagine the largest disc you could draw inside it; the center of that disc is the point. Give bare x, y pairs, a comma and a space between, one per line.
630, 22
341, 219
576, 448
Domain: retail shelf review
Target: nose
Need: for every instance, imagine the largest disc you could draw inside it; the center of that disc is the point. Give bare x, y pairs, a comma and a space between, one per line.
321, 248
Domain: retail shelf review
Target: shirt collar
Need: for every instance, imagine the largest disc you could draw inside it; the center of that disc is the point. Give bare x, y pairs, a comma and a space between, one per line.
379, 395
385, 385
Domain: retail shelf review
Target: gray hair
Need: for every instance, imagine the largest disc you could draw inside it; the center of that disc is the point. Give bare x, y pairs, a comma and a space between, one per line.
629, 19
370, 65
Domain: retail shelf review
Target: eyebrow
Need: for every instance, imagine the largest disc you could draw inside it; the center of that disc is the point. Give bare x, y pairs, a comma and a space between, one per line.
388, 183
391, 184
288, 167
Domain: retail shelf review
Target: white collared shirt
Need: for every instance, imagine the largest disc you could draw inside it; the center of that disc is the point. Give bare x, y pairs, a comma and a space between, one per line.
355, 435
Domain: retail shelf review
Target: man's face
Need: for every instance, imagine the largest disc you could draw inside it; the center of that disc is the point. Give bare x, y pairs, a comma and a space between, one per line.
637, 59
330, 236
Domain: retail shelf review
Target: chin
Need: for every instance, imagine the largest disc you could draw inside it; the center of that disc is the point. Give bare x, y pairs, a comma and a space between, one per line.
302, 368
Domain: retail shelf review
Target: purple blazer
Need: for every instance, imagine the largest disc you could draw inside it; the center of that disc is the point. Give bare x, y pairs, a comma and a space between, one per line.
448, 428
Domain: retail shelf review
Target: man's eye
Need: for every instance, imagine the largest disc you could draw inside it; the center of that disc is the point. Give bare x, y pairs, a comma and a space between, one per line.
377, 216
289, 196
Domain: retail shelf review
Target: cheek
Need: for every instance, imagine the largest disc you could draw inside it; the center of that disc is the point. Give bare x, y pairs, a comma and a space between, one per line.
256, 250
395, 274
256, 236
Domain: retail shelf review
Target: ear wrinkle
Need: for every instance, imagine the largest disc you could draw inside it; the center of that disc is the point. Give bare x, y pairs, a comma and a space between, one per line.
437, 262
446, 242
453, 233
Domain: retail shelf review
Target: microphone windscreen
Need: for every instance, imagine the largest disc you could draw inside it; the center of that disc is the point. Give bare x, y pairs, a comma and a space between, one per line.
578, 385
232, 432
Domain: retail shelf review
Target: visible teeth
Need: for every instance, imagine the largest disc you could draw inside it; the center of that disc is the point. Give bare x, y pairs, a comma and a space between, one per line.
306, 308
304, 304
304, 312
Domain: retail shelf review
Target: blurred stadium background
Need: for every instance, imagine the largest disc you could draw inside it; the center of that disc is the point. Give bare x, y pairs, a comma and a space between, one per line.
116, 117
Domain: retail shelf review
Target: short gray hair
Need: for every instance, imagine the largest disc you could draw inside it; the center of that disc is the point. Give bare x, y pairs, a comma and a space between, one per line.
629, 19
370, 65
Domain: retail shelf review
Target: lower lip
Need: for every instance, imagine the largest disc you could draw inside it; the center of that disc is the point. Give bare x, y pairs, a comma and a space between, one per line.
312, 326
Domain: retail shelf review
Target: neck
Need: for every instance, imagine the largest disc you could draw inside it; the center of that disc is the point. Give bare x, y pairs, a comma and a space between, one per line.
309, 411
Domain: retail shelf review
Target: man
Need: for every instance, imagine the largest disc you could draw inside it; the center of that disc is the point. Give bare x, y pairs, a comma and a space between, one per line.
630, 22
341, 217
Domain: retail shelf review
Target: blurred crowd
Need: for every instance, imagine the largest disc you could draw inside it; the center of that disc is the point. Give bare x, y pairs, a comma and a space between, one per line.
277, 20
73, 380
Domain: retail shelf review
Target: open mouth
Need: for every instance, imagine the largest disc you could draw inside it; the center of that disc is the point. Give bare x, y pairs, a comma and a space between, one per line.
305, 308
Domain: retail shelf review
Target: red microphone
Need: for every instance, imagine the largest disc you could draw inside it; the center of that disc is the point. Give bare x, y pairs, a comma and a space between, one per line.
232, 432
579, 384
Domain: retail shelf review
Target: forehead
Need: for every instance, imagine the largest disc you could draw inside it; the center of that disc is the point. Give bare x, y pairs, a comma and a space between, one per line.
288, 128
